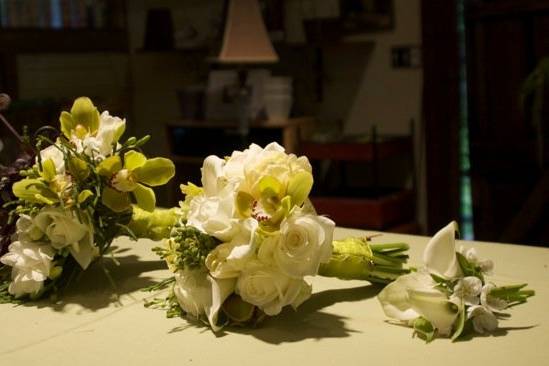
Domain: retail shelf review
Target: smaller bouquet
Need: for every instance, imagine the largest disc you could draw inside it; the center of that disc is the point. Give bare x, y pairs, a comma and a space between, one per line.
74, 200
249, 237
450, 296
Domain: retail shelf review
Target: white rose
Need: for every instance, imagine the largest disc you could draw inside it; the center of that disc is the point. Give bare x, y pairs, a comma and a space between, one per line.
228, 259
304, 242
63, 229
270, 290
101, 144
56, 155
200, 294
31, 263
215, 215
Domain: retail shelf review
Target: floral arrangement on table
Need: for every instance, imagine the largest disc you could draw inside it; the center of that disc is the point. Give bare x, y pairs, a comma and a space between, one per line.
247, 238
76, 196
450, 296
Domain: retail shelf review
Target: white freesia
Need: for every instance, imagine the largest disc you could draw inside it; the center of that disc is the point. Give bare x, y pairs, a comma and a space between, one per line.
483, 319
440, 253
100, 145
485, 265
54, 153
468, 289
63, 229
27, 230
270, 290
492, 303
228, 259
199, 294
31, 263
303, 243
414, 295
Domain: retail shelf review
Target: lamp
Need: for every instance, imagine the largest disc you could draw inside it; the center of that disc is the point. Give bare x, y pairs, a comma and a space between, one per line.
245, 42
246, 39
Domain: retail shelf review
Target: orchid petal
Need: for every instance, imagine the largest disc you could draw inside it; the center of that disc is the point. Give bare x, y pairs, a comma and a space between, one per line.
155, 172
145, 197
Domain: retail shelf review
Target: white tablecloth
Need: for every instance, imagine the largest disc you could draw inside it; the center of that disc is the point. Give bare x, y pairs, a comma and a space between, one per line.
342, 324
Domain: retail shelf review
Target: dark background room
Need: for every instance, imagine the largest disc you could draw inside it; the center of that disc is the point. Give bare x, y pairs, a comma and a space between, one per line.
412, 112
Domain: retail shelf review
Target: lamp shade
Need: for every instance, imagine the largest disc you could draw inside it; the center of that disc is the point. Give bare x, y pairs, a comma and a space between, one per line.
246, 39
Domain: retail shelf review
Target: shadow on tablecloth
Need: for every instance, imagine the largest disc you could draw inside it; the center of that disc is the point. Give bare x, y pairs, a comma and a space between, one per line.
92, 289
308, 322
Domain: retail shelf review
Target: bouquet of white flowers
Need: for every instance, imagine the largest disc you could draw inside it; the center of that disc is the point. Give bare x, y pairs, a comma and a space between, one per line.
74, 200
249, 236
450, 296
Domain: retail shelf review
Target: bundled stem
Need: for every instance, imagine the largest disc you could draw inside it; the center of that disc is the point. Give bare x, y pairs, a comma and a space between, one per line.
356, 259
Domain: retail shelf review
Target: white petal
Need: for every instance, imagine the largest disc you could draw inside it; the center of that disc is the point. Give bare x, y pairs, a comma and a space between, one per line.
395, 300
212, 169
435, 307
440, 254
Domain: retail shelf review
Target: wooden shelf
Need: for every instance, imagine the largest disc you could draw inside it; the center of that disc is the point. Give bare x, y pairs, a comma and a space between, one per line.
357, 151
32, 40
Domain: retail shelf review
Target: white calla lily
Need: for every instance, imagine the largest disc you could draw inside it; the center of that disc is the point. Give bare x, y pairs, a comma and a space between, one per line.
440, 254
414, 295
199, 294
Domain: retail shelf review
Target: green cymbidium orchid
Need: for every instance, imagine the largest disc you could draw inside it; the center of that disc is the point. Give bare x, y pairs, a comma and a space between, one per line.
272, 201
83, 119
133, 177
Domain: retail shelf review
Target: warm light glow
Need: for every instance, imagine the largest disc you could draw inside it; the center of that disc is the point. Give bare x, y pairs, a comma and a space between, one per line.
246, 39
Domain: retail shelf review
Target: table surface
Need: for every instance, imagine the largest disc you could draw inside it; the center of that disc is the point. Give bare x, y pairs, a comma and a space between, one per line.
342, 323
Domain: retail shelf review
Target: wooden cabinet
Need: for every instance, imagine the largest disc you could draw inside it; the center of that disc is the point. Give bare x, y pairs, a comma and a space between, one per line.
374, 206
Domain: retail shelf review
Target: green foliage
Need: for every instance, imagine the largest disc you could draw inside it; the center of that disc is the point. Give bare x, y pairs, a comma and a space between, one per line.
424, 329
187, 248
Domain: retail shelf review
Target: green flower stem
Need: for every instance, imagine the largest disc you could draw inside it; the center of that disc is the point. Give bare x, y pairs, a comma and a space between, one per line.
155, 225
356, 259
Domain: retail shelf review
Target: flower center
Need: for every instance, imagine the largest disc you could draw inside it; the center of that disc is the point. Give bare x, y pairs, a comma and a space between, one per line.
124, 181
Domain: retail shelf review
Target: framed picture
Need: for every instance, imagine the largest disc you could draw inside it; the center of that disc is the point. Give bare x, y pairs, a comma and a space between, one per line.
362, 16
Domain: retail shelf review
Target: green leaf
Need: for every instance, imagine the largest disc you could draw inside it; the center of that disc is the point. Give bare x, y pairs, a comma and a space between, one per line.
460, 323
134, 160
67, 123
116, 201
300, 186
155, 172
84, 195
145, 198
109, 166
48, 170
84, 113
424, 329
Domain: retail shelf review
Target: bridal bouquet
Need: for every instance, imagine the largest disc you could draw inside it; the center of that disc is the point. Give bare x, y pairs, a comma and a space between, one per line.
247, 239
450, 296
74, 199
